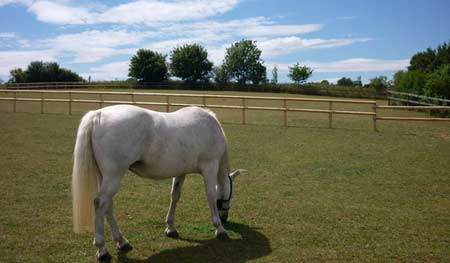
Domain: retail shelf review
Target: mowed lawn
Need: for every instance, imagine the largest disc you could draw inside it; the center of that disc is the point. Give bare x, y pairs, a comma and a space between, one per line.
311, 194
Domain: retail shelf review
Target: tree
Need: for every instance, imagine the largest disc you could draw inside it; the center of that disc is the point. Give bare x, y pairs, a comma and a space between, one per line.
17, 75
325, 83
274, 75
345, 82
438, 83
423, 61
221, 74
148, 66
358, 82
39, 71
299, 73
243, 62
190, 63
379, 83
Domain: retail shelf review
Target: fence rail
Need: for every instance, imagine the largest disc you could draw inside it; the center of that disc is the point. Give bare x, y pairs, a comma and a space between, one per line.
243, 107
415, 99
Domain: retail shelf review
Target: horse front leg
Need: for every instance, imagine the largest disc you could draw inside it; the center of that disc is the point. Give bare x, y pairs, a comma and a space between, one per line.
177, 184
210, 178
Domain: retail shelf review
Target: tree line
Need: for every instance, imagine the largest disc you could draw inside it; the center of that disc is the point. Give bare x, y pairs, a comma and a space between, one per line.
242, 64
428, 73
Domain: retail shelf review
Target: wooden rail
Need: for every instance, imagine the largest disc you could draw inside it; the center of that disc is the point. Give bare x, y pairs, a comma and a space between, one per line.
244, 106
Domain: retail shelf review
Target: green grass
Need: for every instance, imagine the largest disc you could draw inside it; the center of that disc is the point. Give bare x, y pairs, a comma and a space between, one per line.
312, 194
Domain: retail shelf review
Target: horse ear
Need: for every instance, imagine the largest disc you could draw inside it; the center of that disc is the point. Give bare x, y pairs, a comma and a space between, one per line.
237, 172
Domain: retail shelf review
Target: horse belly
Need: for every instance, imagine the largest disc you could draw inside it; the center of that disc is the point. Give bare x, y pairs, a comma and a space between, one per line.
162, 169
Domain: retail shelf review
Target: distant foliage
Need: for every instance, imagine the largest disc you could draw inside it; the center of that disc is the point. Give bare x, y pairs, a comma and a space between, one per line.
428, 73
244, 64
324, 83
38, 71
438, 82
299, 73
190, 63
274, 79
221, 75
379, 83
345, 82
148, 66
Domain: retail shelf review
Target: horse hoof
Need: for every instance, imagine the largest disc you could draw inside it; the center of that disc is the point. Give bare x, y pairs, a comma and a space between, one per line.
223, 236
104, 257
125, 248
172, 233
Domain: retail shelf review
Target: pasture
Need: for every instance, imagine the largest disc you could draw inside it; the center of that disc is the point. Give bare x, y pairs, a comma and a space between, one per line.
311, 194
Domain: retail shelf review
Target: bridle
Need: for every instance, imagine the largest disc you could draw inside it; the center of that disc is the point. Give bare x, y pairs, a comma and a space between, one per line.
221, 201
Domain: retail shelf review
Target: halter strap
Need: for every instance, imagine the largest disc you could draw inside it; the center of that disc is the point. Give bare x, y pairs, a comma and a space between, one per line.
220, 201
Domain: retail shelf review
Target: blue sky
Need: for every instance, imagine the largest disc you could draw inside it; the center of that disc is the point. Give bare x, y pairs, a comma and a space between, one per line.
336, 38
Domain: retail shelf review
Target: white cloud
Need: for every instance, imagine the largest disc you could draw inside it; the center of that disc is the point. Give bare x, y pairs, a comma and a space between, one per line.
286, 45
137, 12
151, 12
20, 59
108, 71
353, 65
10, 2
56, 13
278, 30
94, 45
8, 35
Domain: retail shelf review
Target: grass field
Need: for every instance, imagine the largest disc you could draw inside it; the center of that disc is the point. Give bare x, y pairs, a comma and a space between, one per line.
312, 193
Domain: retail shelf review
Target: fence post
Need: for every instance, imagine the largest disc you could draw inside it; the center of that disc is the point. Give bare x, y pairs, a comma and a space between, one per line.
70, 103
375, 117
167, 103
101, 100
244, 104
133, 98
285, 111
42, 102
15, 102
204, 100
330, 114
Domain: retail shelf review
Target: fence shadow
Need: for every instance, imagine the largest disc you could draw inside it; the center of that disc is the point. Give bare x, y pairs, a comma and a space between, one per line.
251, 245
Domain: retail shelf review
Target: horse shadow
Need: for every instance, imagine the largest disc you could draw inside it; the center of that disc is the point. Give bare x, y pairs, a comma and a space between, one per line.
251, 245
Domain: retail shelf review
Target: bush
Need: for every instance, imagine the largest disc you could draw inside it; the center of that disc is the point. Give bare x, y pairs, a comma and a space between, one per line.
38, 71
148, 66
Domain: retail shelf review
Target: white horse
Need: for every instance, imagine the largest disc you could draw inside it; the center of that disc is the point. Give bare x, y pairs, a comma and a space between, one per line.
154, 145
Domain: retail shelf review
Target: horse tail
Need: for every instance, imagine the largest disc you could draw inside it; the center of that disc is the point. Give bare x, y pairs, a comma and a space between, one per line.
85, 176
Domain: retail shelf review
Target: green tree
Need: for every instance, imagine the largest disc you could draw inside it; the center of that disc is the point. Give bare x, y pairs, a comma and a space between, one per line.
345, 82
39, 71
243, 62
190, 63
410, 81
325, 83
274, 75
17, 75
438, 83
221, 74
379, 83
299, 73
423, 61
148, 66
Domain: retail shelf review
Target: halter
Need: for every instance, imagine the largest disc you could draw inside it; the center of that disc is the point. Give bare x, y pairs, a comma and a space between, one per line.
221, 201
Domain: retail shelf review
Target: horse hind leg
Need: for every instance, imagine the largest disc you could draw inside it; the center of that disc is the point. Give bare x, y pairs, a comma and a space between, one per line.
103, 206
122, 243
209, 173
177, 184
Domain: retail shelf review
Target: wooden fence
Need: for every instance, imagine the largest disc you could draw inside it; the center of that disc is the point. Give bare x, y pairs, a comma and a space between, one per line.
243, 105
414, 99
